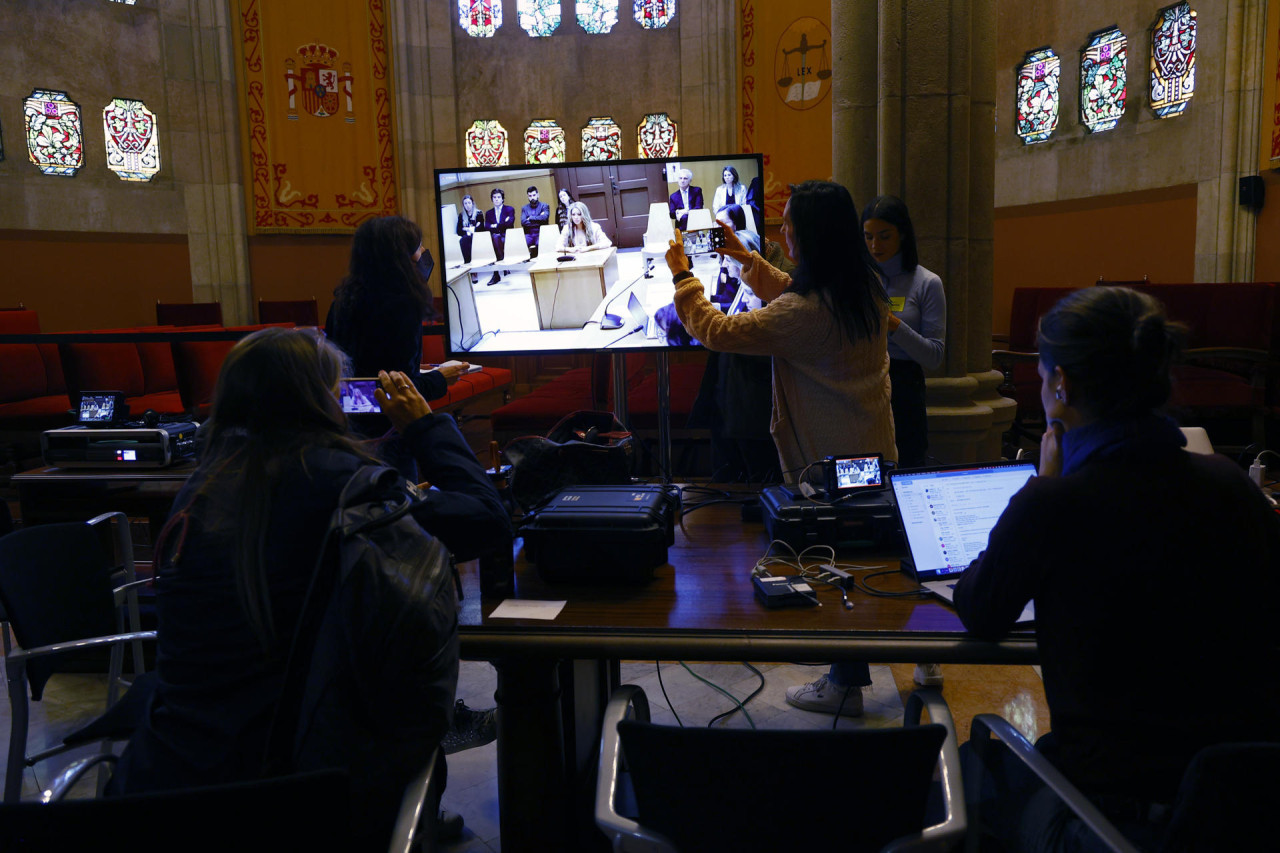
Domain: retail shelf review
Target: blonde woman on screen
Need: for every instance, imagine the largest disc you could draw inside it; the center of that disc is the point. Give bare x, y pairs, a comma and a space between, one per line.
581, 234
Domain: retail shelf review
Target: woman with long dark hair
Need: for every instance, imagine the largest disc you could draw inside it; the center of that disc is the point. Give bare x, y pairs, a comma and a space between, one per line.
731, 191
239, 552
1112, 541
564, 198
377, 313
917, 322
825, 326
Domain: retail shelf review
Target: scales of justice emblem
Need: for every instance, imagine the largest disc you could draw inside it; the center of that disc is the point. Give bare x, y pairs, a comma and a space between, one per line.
318, 82
802, 64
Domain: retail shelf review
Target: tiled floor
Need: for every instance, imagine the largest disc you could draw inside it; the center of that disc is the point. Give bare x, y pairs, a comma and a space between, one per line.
1014, 692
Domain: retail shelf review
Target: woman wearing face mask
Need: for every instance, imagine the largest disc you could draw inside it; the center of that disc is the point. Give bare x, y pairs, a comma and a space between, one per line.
376, 318
917, 324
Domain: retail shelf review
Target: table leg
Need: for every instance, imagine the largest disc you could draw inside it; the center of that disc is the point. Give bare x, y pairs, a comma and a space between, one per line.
533, 793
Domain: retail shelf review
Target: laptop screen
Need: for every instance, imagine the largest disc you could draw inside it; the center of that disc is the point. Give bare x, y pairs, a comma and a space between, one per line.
947, 513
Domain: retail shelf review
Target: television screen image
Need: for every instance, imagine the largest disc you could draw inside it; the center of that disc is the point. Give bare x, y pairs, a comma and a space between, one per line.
571, 257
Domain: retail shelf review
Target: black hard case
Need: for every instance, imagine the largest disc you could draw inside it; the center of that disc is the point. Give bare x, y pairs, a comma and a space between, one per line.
859, 521
602, 534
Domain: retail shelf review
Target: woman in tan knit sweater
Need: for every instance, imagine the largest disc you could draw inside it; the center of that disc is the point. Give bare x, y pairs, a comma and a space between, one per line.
824, 325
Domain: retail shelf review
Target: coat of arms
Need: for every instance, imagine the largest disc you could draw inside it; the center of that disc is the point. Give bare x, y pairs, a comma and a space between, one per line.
319, 83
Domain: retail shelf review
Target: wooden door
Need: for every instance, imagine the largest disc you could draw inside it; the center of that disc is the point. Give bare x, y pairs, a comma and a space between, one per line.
619, 196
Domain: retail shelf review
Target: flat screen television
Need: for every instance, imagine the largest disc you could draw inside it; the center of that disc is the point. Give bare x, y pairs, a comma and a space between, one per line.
520, 279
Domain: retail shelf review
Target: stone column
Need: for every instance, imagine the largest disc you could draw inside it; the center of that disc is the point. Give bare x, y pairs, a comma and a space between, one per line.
934, 147
1226, 231
708, 75
199, 60
427, 128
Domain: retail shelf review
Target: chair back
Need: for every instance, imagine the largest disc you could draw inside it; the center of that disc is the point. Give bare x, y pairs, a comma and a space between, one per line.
449, 230
482, 249
712, 789
1226, 793
517, 249
55, 586
698, 219
548, 239
750, 216
308, 811
188, 313
299, 312
660, 226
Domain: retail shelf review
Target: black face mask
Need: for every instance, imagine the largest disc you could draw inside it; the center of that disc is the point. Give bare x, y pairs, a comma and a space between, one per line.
425, 265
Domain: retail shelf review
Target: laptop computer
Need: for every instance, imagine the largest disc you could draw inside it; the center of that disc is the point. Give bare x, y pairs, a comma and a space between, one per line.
947, 514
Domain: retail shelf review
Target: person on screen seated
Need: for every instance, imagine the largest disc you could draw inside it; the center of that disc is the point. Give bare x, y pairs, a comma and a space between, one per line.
685, 199
732, 191
581, 234
825, 327
564, 198
233, 566
470, 220
668, 321
533, 216
1112, 542
496, 221
731, 217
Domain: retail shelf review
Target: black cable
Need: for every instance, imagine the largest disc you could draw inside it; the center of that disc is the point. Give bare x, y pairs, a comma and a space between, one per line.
836, 719
743, 703
862, 585
658, 666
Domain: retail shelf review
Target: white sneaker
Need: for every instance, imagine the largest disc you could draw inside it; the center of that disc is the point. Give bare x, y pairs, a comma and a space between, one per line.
827, 698
927, 675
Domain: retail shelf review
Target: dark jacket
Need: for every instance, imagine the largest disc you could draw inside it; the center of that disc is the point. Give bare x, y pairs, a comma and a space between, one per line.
384, 335
209, 717
1153, 571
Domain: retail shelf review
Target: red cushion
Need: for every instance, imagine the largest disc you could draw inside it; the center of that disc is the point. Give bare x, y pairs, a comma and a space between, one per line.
55, 382
37, 413
542, 408
22, 372
166, 403
197, 364
157, 367
102, 367
21, 322
642, 399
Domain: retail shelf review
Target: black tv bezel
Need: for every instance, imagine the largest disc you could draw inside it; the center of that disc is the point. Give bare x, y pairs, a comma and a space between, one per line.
480, 170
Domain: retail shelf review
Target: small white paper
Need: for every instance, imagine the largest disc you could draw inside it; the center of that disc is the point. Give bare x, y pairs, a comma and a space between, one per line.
513, 608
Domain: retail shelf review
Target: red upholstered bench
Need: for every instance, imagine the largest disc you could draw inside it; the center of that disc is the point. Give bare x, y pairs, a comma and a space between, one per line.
197, 364
143, 371
486, 384
33, 391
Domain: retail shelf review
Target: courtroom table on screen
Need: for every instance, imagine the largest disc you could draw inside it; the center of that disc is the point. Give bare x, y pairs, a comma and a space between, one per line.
567, 293
554, 677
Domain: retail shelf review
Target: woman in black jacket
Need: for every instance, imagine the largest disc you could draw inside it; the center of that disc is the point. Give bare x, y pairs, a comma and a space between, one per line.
236, 559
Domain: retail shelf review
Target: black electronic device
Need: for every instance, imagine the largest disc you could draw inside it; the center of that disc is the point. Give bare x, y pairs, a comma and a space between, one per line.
774, 592
130, 446
602, 534
859, 521
852, 474
567, 316
704, 240
102, 408
357, 397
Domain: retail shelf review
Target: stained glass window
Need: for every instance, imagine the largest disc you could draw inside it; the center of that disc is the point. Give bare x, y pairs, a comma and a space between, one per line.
480, 18
544, 142
597, 16
1173, 60
656, 136
654, 14
486, 144
1104, 80
54, 139
601, 139
538, 17
130, 132
1037, 104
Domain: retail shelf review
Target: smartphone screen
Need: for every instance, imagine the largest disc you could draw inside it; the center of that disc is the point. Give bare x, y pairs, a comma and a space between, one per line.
704, 240
357, 396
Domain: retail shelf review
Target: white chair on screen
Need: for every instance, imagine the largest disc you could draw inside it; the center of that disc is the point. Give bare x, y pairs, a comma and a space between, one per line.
517, 253
750, 216
453, 261
656, 236
483, 258
700, 219
548, 239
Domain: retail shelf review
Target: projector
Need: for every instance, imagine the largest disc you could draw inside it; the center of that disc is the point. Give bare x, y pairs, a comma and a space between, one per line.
126, 447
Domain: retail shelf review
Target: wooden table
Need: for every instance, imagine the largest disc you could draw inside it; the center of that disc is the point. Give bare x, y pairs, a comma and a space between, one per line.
555, 676
567, 294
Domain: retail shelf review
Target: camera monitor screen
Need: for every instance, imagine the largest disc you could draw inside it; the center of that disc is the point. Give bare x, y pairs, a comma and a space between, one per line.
102, 407
571, 257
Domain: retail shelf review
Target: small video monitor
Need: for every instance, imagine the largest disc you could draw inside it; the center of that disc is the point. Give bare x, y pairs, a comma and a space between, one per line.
704, 240
102, 407
357, 396
848, 475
